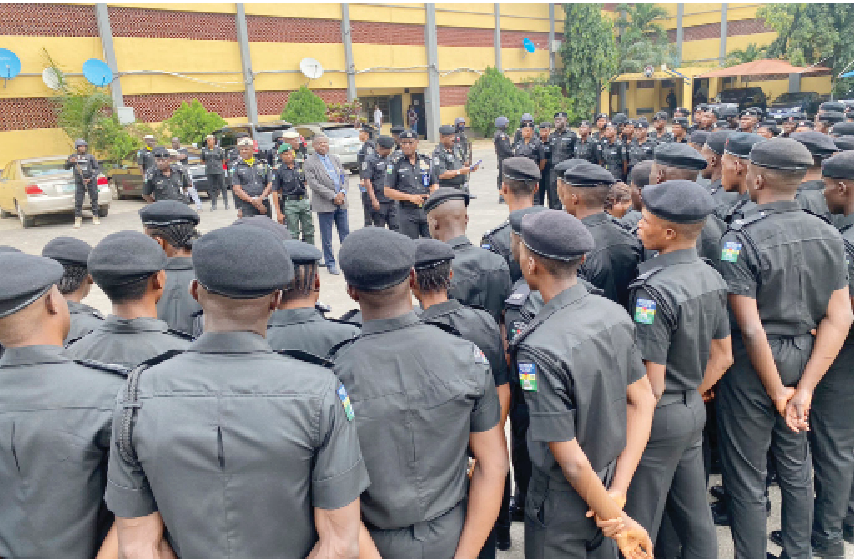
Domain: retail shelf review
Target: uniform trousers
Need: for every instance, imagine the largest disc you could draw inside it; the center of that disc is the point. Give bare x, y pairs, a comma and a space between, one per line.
249, 210
435, 539
519, 416
368, 210
216, 186
298, 217
412, 221
670, 476
80, 191
543, 185
749, 425
552, 193
386, 216
499, 174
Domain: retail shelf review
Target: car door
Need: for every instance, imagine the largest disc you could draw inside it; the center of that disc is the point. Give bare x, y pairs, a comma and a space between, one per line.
6, 188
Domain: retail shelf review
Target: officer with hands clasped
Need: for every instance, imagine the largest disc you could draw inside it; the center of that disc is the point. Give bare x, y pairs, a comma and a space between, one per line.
408, 180
85, 168
207, 429
589, 401
563, 143
291, 200
251, 182
502, 147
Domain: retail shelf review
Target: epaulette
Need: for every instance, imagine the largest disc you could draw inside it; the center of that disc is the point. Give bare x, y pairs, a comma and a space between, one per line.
307, 357
340, 321
120, 370
322, 308
496, 229
180, 334
130, 405
819, 216
448, 328
77, 339
642, 278
518, 296
335, 349
92, 312
739, 224
349, 315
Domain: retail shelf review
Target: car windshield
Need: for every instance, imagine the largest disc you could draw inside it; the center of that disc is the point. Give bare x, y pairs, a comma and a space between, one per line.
342, 132
733, 95
793, 97
43, 168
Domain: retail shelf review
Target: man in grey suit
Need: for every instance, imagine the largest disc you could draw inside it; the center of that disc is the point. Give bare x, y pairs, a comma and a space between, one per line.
325, 176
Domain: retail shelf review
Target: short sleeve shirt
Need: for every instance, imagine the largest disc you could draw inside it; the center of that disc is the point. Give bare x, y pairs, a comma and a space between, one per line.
162, 187
481, 278
443, 160
611, 266
289, 181
253, 179
374, 169
407, 177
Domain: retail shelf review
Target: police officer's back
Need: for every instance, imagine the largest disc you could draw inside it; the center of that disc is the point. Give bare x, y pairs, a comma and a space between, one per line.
55, 420
208, 429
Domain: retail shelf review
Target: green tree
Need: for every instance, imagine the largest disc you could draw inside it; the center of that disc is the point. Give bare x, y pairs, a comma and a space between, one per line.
751, 53
191, 122
112, 141
641, 40
548, 100
303, 107
494, 95
589, 55
813, 34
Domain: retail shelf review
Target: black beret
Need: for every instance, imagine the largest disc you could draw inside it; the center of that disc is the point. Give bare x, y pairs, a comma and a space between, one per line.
643, 119
752, 111
375, 258
25, 279
819, 144
720, 124
431, 252
125, 257
728, 112
387, 142
619, 118
683, 110
302, 252
266, 223
521, 169
806, 123
585, 123
699, 137
642, 124
739, 144
7, 248
781, 153
839, 166
836, 106
613, 124
796, 117
408, 134
67, 250
500, 122
397, 129
560, 113
563, 166
679, 156
843, 129
831, 116
515, 218
526, 118
678, 201
587, 174
545, 125
701, 107
630, 122
556, 235
844, 143
444, 194
601, 115
681, 121
662, 115
716, 141
168, 212
241, 262
460, 120
160, 151
447, 130
368, 128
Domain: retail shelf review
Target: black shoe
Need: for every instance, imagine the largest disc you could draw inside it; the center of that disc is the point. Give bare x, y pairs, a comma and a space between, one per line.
718, 492
832, 550
848, 533
719, 511
503, 539
771, 556
776, 538
516, 511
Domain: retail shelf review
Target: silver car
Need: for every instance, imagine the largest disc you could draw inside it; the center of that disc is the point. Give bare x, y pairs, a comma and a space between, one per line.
344, 140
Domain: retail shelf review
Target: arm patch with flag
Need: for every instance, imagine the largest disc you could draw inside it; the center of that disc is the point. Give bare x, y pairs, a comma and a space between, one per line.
346, 402
528, 373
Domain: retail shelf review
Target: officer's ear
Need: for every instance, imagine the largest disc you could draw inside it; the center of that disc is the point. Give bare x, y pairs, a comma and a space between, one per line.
353, 294
504, 189
159, 280
275, 300
193, 288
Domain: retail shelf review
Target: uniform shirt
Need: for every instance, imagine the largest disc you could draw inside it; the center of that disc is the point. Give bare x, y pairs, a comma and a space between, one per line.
253, 179
742, 204
481, 278
811, 198
640, 152
289, 181
176, 306
587, 149
85, 168
498, 240
611, 266
666, 138
418, 392
374, 169
612, 157
213, 159
547, 150
575, 362
443, 160
368, 148
127, 342
404, 176
533, 150
462, 144
55, 418
476, 326
520, 308
146, 160
253, 438
163, 187
846, 230
630, 221
562, 145
502, 145
84, 319
308, 330
678, 303
707, 243
722, 198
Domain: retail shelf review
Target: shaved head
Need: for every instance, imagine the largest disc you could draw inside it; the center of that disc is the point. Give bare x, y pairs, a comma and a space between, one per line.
448, 220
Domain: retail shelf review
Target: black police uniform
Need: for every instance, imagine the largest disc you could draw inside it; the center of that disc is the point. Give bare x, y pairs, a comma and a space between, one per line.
374, 169
481, 277
540, 195
611, 266
462, 144
612, 158
722, 198
502, 147
562, 147
84, 319
253, 178
640, 152
86, 168
410, 178
443, 160
368, 149
665, 138
167, 187
214, 159
586, 149
534, 150
128, 342
308, 330
290, 182
146, 160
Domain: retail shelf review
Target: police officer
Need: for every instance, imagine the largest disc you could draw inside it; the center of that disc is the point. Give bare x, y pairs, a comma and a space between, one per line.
767, 258
697, 139
810, 193
173, 226
519, 183
826, 120
55, 419
600, 121
712, 151
639, 178
748, 119
373, 171
408, 180
586, 146
679, 130
502, 147
166, 181
767, 129
641, 148
735, 168
214, 157
175, 162
368, 148
289, 193
292, 138
75, 284
146, 157
579, 422
841, 129
448, 168
416, 507
612, 153
678, 304
395, 132
130, 268
264, 415
563, 143
481, 277
659, 134
611, 264
546, 149
86, 169
465, 149
251, 182
297, 323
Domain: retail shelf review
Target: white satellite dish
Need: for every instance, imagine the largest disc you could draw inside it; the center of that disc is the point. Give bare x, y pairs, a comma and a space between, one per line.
311, 68
51, 77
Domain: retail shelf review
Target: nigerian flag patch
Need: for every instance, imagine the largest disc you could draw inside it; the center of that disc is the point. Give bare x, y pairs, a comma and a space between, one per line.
646, 309
528, 376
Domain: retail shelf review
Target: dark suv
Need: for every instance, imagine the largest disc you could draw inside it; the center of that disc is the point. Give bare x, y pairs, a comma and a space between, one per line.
794, 104
741, 97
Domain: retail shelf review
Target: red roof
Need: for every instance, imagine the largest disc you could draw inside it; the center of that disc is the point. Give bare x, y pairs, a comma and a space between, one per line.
760, 68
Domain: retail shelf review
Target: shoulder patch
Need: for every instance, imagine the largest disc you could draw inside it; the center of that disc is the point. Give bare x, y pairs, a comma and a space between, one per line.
346, 402
120, 370
479, 356
730, 251
528, 374
333, 350
646, 309
307, 357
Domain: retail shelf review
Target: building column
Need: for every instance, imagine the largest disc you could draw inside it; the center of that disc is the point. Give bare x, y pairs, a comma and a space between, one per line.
246, 64
687, 100
723, 34
497, 41
631, 99
679, 35
794, 83
622, 97
102, 17
552, 9
349, 52
432, 99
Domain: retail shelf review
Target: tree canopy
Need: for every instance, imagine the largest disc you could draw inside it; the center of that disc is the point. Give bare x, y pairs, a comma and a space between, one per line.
494, 95
192, 122
641, 40
304, 106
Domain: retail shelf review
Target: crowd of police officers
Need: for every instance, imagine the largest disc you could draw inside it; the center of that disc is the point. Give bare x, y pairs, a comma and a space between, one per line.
706, 327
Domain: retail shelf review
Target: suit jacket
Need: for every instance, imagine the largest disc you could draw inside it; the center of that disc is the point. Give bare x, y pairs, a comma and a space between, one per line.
323, 188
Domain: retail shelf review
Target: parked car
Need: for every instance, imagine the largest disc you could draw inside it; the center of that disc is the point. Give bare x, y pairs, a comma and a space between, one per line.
41, 186
740, 97
793, 104
126, 181
344, 140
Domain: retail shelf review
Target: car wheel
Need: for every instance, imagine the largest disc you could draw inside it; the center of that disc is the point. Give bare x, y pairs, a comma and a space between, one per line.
102, 210
26, 221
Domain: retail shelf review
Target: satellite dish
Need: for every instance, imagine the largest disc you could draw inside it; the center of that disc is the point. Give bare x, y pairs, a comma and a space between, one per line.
10, 65
528, 45
52, 77
97, 72
311, 68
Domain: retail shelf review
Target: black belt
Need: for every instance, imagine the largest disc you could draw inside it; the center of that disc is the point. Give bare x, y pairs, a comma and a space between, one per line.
294, 197
409, 205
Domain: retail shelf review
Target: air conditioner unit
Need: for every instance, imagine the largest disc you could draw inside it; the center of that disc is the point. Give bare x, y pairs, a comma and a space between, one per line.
555, 46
